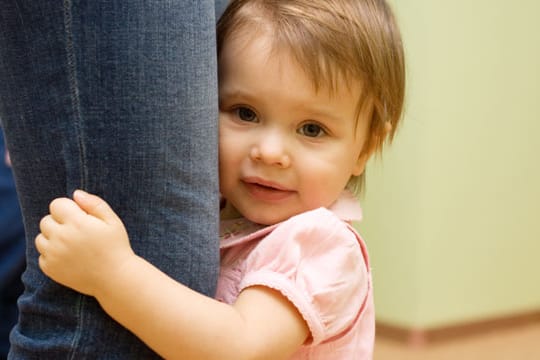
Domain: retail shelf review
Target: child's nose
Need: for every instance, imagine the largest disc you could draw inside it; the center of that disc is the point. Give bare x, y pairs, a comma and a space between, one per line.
271, 150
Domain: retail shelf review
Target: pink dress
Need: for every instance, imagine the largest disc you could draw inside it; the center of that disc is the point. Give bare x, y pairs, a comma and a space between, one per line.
316, 260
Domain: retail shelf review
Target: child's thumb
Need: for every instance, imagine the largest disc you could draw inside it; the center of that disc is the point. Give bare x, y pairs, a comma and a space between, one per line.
94, 205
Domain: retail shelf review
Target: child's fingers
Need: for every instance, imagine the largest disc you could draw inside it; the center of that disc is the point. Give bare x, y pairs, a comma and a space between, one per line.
62, 209
47, 225
41, 244
42, 262
95, 206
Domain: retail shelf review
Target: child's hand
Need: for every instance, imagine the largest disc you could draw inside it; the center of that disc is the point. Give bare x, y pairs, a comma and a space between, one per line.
82, 242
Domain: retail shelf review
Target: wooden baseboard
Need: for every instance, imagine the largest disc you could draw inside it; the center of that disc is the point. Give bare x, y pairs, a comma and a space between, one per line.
420, 337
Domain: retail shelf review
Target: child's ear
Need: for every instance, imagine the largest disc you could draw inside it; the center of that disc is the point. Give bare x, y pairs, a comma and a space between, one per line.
360, 164
374, 143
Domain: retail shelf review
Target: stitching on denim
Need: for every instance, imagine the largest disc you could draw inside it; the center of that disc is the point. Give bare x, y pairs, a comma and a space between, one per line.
75, 103
80, 305
74, 91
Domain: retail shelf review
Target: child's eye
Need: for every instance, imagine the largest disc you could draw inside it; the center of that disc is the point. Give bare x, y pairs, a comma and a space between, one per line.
311, 130
246, 114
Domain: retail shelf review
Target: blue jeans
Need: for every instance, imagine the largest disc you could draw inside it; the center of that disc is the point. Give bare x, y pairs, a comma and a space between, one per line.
11, 252
119, 98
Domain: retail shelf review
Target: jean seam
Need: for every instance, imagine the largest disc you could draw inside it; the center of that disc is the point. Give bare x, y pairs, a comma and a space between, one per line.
76, 121
78, 332
74, 90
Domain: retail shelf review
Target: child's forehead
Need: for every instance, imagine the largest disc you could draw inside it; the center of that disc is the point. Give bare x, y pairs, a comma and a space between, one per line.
324, 74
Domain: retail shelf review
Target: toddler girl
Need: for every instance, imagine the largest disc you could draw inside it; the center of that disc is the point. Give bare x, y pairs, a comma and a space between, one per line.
309, 90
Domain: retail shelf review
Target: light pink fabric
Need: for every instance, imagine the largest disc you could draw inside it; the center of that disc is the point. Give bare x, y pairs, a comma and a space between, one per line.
320, 263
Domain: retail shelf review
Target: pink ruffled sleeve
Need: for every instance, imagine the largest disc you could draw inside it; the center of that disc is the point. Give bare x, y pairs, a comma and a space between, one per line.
314, 259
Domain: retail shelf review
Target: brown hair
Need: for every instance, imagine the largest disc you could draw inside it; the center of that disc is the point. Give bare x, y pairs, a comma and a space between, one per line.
354, 40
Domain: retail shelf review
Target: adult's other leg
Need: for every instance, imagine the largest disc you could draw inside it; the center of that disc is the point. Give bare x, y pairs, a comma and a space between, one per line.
119, 98
11, 251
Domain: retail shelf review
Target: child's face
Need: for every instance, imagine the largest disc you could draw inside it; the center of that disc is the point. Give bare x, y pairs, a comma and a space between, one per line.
284, 148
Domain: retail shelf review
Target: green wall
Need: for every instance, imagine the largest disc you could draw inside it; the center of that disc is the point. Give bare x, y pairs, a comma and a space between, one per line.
452, 208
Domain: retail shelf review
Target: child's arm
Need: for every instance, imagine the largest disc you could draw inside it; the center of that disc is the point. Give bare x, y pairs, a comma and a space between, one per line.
84, 245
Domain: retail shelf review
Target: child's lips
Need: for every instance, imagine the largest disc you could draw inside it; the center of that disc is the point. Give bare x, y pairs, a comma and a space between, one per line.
267, 190
265, 183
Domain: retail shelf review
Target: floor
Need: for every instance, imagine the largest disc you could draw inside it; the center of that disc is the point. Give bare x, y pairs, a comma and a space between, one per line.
517, 343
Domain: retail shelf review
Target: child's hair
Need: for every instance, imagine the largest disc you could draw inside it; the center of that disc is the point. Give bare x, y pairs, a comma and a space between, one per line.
353, 40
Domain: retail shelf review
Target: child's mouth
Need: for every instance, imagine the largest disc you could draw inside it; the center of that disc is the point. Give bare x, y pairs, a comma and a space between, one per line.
266, 191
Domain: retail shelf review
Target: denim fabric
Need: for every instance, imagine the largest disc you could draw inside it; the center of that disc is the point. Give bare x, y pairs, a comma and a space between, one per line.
11, 252
119, 98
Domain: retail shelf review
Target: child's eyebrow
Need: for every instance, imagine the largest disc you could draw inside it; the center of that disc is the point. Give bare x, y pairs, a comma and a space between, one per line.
319, 111
236, 93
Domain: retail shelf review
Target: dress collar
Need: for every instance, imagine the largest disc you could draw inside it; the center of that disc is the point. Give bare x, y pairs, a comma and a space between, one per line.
235, 231
347, 207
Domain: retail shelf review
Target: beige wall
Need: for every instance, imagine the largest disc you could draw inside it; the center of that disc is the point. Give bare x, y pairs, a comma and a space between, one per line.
452, 209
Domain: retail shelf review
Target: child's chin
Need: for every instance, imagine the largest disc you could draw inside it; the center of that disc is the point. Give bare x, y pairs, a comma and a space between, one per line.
269, 218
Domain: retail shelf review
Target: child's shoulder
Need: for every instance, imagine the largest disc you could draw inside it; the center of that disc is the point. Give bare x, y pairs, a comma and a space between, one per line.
317, 261
320, 232
320, 220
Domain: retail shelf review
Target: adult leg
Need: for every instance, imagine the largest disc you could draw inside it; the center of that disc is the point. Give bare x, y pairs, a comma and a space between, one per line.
11, 252
119, 98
